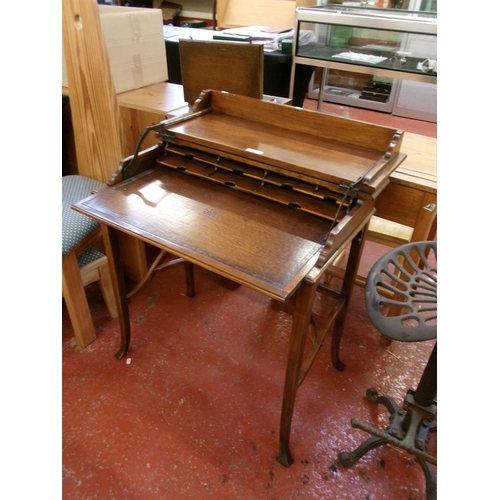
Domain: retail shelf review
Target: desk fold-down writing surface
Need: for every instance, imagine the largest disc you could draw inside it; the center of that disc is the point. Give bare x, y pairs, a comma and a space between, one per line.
267, 247
264, 194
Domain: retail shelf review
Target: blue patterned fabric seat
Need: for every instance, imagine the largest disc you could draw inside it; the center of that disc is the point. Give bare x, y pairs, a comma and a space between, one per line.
82, 262
76, 226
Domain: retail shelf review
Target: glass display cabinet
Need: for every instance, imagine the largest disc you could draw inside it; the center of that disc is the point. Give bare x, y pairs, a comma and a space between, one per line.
364, 53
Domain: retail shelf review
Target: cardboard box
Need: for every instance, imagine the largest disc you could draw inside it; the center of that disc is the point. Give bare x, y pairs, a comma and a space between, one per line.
170, 11
276, 14
135, 44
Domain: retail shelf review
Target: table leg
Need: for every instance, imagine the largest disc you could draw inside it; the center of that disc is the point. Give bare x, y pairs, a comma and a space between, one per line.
189, 278
321, 91
304, 300
110, 237
348, 284
426, 222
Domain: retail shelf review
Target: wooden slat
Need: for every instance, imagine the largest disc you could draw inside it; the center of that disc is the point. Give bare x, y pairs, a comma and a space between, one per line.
76, 301
237, 68
326, 208
309, 123
388, 233
158, 98
94, 108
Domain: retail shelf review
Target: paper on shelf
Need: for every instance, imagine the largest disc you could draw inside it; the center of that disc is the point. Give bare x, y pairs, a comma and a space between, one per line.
260, 32
357, 57
270, 38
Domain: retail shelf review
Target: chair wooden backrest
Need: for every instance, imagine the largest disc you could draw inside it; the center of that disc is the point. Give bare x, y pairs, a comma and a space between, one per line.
233, 67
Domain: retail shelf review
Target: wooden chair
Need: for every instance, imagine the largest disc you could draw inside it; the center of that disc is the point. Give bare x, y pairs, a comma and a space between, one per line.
99, 139
82, 262
233, 67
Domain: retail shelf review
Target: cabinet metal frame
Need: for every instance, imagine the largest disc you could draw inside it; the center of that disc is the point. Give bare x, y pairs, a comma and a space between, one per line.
382, 19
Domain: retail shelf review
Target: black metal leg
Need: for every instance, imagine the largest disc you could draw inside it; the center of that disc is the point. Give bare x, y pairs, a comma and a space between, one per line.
408, 429
348, 459
387, 401
427, 387
430, 480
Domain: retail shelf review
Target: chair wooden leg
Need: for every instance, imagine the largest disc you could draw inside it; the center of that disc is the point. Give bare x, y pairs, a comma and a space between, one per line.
76, 301
106, 286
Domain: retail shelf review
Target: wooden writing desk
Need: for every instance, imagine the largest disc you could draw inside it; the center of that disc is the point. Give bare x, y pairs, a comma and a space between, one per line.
250, 190
406, 211
410, 200
143, 107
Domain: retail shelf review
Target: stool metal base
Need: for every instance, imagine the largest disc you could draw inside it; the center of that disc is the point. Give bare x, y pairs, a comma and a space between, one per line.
409, 429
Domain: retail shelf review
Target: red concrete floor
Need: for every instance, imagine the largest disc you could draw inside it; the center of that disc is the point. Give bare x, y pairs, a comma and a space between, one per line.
192, 411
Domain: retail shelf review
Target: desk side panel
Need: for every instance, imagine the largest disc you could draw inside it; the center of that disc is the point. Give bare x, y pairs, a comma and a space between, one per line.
311, 156
304, 121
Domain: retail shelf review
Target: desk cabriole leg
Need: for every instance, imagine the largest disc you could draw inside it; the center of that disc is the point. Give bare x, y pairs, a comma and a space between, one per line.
304, 300
348, 284
110, 237
189, 266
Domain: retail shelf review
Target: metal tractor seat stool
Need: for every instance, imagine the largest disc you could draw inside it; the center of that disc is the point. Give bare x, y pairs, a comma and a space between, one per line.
405, 280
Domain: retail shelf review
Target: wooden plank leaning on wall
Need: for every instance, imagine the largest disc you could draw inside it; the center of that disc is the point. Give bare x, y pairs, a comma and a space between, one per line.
98, 135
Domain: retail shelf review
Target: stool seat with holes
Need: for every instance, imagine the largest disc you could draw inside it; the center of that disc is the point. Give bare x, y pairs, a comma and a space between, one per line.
82, 262
404, 282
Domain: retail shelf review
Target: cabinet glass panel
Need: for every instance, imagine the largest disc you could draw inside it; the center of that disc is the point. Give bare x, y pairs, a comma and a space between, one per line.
364, 52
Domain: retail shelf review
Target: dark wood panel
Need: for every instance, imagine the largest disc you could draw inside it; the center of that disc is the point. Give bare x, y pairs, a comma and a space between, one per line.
400, 204
315, 157
232, 67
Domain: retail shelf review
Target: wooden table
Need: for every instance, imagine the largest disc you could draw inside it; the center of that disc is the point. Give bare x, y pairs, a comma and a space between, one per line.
406, 211
410, 200
411, 197
147, 106
142, 107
